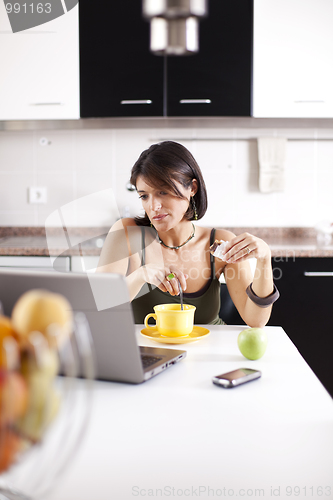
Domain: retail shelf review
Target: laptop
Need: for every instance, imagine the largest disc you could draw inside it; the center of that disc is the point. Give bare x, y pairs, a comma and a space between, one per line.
104, 299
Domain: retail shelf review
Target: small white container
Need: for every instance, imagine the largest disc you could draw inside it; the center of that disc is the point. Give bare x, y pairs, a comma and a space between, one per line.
324, 233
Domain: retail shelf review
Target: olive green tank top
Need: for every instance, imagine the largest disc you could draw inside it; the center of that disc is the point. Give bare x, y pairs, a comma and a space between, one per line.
206, 300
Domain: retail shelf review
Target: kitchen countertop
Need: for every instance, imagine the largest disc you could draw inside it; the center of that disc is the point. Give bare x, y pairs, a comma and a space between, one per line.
284, 242
33, 241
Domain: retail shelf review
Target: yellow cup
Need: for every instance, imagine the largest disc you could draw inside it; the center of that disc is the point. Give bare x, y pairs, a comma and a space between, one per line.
171, 321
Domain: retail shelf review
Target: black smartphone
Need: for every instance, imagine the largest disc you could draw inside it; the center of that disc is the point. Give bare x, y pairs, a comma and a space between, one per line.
236, 377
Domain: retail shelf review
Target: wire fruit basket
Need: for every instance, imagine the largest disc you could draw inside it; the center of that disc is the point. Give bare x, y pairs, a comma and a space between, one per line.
42, 428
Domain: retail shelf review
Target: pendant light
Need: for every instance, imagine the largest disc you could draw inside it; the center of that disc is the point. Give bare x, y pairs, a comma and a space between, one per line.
174, 25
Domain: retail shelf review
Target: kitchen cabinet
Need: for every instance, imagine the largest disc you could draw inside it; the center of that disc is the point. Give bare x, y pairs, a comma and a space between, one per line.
87, 263
304, 310
120, 77
61, 263
217, 80
35, 262
118, 74
40, 69
292, 59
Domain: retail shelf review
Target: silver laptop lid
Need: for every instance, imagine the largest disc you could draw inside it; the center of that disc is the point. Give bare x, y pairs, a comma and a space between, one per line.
105, 301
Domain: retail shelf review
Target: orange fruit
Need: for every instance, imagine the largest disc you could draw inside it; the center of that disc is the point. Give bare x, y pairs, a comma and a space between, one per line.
9, 352
13, 396
10, 445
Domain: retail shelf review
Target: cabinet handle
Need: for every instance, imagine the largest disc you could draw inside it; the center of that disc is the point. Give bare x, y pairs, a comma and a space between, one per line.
46, 104
195, 101
136, 101
310, 102
312, 274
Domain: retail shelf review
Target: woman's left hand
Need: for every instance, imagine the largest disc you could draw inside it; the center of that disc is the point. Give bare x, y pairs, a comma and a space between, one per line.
246, 246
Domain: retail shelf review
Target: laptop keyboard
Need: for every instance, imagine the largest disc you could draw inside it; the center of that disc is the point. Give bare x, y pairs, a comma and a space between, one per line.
149, 360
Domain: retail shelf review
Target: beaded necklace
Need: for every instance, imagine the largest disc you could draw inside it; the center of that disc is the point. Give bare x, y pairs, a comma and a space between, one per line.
179, 246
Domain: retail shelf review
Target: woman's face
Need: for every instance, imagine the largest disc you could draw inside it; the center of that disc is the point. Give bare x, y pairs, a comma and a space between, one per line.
163, 208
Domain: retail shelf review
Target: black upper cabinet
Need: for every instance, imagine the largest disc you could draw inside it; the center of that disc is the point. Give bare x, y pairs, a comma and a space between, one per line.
221, 71
117, 68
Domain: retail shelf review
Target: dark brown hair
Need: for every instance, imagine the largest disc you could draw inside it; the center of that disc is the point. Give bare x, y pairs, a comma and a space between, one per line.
164, 163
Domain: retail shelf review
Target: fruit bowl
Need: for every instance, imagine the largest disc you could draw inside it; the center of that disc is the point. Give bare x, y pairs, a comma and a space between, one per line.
46, 390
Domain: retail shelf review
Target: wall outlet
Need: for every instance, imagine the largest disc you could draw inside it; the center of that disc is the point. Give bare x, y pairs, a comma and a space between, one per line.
38, 195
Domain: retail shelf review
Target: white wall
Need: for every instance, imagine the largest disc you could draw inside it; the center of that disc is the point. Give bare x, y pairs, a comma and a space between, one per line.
75, 163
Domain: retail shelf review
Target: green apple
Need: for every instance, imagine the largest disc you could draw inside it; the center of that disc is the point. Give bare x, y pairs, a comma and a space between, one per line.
252, 342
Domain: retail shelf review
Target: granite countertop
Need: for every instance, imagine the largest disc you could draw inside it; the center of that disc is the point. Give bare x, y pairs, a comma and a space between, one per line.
34, 242
284, 242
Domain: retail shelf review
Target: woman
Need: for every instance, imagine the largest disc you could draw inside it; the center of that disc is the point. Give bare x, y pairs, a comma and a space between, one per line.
149, 250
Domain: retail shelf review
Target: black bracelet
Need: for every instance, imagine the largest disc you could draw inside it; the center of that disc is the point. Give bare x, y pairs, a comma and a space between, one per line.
263, 301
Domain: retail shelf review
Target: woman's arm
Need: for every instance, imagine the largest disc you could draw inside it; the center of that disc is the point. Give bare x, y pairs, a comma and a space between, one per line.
117, 254
116, 251
238, 276
121, 254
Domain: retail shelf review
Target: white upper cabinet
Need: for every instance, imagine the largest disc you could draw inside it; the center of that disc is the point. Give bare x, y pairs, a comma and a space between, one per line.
293, 58
39, 75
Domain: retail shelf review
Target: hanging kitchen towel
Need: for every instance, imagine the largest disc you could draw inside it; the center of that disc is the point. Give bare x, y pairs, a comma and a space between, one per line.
272, 155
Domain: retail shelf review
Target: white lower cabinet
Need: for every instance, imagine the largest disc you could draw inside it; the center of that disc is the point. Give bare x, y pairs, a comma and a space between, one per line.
292, 59
35, 263
40, 69
77, 264
88, 263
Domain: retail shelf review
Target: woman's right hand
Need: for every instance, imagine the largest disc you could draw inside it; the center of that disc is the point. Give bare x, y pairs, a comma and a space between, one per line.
158, 276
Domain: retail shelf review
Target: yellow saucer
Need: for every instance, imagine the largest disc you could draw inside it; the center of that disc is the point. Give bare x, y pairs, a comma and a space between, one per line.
197, 333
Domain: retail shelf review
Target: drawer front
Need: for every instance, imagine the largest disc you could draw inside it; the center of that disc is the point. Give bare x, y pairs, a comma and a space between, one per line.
35, 262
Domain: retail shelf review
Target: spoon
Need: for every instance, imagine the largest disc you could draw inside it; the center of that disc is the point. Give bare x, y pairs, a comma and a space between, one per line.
181, 295
170, 277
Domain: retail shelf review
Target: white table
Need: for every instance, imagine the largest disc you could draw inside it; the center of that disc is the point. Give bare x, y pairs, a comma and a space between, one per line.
179, 436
